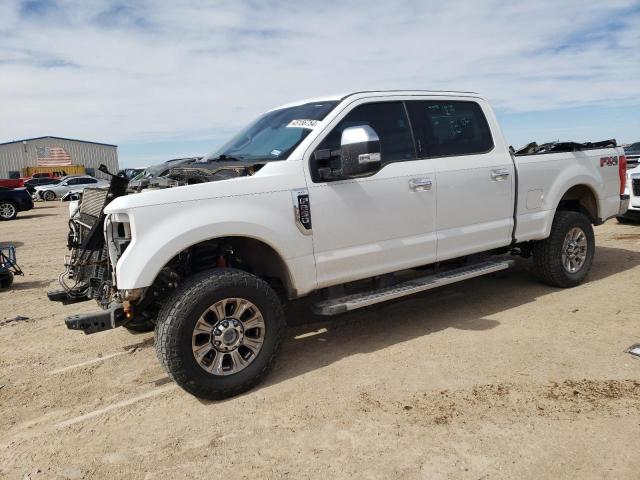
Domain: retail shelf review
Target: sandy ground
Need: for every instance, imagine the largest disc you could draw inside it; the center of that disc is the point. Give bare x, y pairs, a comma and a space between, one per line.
498, 377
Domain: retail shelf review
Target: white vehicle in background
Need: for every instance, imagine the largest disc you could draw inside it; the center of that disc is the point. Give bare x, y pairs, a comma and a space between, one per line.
351, 200
632, 153
71, 183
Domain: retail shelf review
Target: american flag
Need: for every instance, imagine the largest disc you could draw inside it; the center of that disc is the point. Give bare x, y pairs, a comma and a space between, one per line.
53, 156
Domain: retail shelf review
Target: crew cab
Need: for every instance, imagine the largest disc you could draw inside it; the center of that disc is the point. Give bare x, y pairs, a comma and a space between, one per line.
351, 200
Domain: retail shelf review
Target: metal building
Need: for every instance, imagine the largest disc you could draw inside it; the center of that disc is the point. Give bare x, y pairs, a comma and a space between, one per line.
16, 156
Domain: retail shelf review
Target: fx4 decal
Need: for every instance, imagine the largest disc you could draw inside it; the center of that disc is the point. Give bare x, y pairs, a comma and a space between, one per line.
608, 161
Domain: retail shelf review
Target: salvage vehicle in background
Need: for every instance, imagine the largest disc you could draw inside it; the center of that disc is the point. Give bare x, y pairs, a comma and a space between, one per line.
130, 173
350, 200
67, 184
12, 201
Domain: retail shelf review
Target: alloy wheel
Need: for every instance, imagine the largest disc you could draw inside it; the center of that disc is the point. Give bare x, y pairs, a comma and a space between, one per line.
228, 336
7, 210
574, 250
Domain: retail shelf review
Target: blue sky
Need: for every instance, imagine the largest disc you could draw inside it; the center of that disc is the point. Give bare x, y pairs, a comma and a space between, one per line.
163, 79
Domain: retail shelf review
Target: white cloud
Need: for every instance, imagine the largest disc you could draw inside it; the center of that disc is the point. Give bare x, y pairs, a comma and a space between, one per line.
184, 70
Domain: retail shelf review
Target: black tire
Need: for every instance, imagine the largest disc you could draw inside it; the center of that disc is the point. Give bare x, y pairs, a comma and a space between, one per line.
141, 327
8, 210
48, 196
6, 279
181, 311
547, 254
622, 220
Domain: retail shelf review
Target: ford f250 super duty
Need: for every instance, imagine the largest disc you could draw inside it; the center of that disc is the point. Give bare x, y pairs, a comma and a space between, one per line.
351, 200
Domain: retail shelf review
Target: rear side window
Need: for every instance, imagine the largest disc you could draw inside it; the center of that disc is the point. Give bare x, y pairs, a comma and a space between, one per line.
388, 119
449, 128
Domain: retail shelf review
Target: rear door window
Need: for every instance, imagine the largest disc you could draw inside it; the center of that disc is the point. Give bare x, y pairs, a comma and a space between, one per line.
445, 128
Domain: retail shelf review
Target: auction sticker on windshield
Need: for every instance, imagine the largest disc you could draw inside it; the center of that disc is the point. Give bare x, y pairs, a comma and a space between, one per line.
302, 123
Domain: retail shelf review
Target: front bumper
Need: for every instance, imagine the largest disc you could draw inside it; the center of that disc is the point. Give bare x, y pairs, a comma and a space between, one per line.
98, 321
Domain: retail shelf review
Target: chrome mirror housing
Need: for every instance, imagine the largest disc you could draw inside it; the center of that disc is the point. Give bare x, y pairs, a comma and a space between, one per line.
359, 151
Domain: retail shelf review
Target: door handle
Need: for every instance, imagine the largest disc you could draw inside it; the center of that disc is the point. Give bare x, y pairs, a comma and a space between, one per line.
500, 174
420, 184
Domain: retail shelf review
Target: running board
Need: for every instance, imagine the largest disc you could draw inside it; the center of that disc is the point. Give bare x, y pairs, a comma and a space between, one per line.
364, 299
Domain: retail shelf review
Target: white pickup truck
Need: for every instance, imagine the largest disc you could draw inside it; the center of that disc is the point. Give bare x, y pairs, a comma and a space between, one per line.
352, 200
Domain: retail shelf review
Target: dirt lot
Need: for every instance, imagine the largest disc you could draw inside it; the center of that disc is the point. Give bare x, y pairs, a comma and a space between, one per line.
499, 377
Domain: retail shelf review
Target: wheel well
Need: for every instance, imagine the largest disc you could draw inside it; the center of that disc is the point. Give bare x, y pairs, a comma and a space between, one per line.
580, 198
243, 253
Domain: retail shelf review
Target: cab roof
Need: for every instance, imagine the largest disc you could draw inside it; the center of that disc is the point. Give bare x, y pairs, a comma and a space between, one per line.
376, 93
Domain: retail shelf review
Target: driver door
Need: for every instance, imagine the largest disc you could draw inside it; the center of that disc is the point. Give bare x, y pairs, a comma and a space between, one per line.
377, 224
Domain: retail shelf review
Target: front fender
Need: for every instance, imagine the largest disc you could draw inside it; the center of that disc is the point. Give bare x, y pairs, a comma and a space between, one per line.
160, 232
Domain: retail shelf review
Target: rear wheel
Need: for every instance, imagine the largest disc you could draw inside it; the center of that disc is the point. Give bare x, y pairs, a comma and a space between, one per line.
622, 220
8, 210
219, 332
565, 257
49, 195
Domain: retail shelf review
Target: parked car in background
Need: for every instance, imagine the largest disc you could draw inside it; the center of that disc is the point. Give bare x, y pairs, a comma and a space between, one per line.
632, 152
29, 182
13, 201
32, 183
12, 182
58, 174
633, 190
68, 184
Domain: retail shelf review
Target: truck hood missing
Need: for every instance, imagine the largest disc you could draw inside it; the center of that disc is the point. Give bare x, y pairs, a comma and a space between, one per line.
188, 183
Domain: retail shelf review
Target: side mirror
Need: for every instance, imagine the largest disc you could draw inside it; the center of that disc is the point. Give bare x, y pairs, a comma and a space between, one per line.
359, 151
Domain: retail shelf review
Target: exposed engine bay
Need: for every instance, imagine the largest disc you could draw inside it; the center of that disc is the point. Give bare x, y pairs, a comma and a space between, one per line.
89, 272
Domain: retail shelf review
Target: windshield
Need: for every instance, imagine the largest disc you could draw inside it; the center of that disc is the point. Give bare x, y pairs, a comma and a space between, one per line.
274, 135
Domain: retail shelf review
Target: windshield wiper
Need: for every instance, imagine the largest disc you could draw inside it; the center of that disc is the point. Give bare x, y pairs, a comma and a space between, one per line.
225, 157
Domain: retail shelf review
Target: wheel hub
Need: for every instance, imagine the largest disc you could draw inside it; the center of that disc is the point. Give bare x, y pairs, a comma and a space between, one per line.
227, 335
574, 252
6, 210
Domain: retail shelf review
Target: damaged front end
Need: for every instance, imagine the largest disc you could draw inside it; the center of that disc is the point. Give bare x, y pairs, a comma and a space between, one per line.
96, 241
87, 273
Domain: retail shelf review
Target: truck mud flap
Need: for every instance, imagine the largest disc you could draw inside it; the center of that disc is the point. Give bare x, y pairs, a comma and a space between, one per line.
97, 321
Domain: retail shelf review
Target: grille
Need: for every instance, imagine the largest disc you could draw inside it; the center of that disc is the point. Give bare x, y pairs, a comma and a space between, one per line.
93, 200
635, 183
